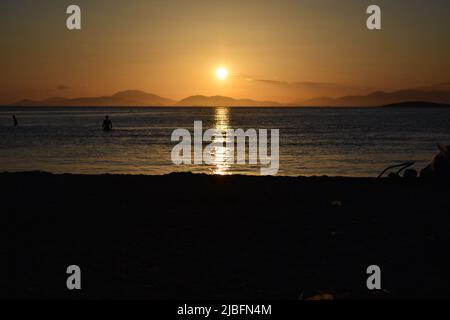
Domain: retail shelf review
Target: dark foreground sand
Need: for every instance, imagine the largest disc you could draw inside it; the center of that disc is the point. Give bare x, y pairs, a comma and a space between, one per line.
189, 236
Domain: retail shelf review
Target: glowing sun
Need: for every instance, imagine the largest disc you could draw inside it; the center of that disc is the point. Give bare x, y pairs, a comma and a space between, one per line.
222, 73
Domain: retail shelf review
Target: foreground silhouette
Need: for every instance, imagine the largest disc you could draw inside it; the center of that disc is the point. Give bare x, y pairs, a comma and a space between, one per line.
185, 236
439, 168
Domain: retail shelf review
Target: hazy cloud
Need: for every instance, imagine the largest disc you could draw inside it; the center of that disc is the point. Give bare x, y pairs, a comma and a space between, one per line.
443, 86
309, 85
59, 87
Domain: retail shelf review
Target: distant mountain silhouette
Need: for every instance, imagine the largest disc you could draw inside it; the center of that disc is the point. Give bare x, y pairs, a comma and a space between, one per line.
417, 104
130, 98
136, 98
220, 101
381, 98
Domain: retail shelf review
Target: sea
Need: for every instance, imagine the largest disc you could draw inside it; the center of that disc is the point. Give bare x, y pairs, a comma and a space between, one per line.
354, 142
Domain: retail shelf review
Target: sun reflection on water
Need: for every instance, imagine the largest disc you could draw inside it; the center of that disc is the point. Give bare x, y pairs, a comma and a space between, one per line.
221, 154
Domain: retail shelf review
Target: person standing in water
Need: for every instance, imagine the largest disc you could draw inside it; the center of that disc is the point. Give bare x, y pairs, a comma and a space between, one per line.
107, 124
15, 121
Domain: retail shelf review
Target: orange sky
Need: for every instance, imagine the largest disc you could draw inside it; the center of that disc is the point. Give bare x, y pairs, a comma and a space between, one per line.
281, 50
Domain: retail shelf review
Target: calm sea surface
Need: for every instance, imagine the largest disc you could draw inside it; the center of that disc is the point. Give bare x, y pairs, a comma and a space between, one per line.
318, 141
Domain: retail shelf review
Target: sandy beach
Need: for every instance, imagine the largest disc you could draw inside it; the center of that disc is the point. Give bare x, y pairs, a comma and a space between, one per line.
185, 236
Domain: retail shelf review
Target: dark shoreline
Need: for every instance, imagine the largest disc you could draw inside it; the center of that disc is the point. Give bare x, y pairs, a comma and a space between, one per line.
185, 236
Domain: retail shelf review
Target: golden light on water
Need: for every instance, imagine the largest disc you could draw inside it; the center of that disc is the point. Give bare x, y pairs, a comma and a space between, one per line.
221, 154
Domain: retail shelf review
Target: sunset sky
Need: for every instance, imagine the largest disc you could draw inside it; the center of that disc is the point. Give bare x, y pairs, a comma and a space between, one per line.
283, 50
